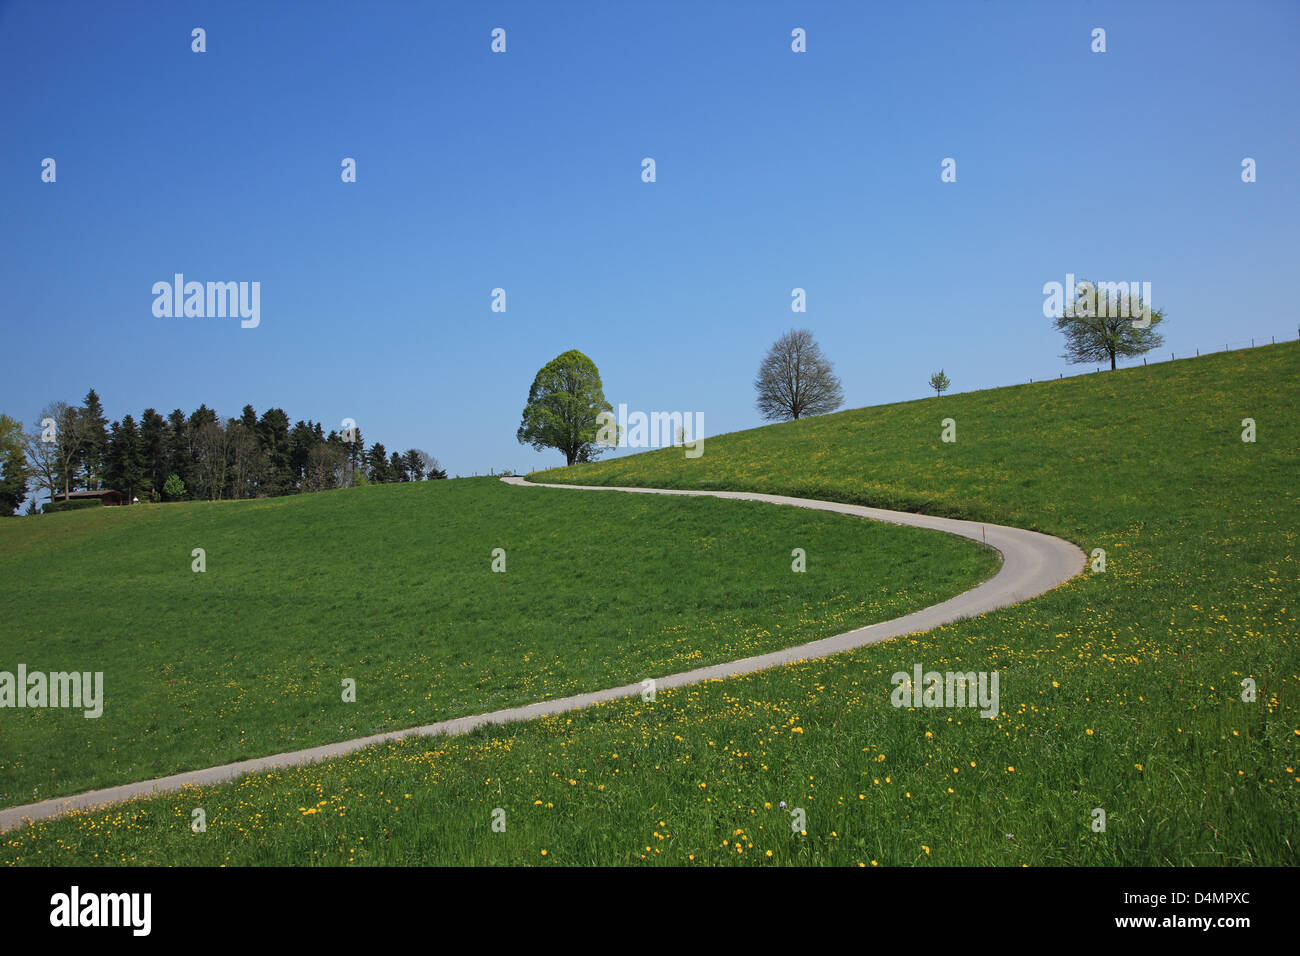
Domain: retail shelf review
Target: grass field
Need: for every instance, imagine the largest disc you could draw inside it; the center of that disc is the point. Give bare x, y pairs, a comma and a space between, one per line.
1121, 691
392, 586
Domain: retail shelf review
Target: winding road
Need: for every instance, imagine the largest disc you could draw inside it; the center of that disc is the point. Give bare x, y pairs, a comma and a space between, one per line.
1032, 564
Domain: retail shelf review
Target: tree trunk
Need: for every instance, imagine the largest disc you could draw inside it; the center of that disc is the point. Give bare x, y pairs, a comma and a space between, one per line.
1112, 361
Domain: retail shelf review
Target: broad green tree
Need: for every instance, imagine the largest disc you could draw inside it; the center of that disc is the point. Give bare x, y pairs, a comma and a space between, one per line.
939, 382
563, 402
14, 473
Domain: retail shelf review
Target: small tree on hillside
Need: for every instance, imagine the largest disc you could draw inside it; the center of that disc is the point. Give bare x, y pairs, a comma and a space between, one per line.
1106, 322
939, 382
795, 380
173, 488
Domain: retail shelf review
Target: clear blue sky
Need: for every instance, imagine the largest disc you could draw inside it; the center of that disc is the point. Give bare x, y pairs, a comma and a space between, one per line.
523, 171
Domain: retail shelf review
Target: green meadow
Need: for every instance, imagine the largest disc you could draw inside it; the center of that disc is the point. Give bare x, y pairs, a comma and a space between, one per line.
392, 586
1160, 692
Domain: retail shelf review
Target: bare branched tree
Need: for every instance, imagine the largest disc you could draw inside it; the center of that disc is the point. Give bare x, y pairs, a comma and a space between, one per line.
245, 460
795, 380
213, 443
53, 445
42, 459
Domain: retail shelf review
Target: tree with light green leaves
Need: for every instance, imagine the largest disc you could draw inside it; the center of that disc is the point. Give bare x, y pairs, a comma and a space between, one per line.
14, 473
563, 404
173, 488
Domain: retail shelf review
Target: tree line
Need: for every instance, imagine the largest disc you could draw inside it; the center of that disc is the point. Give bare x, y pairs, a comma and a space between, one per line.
195, 456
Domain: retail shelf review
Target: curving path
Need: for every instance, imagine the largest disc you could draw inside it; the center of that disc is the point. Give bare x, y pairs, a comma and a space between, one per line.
1032, 563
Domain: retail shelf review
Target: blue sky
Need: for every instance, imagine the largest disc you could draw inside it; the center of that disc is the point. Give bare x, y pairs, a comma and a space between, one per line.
522, 170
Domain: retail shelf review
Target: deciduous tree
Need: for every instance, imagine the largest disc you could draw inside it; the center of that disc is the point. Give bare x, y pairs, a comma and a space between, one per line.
563, 402
795, 380
1100, 325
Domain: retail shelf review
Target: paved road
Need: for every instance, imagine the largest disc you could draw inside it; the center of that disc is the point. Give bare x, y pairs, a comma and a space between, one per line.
1032, 563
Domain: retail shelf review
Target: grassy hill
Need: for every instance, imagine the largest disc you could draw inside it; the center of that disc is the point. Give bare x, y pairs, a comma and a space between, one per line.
392, 586
1121, 691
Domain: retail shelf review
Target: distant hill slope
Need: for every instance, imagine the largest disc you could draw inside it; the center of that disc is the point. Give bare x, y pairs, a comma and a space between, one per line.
1071, 456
